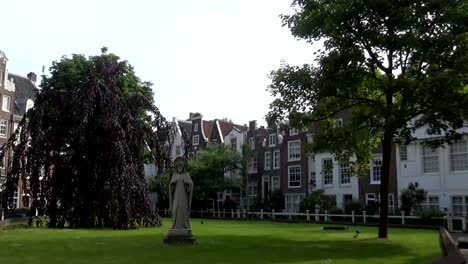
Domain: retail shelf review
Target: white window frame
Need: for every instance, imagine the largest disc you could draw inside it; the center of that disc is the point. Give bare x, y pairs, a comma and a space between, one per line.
461, 205
253, 165
276, 160
338, 123
3, 125
195, 140
368, 199
431, 205
293, 131
195, 127
327, 174
252, 189
426, 158
252, 142
345, 173
267, 161
391, 202
459, 150
272, 140
375, 168
8, 107
275, 180
403, 153
292, 202
298, 173
234, 146
297, 156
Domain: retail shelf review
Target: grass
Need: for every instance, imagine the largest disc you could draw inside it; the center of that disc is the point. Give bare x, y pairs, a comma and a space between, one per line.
219, 242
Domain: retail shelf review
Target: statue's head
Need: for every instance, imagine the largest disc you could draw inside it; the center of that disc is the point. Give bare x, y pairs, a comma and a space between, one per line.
180, 164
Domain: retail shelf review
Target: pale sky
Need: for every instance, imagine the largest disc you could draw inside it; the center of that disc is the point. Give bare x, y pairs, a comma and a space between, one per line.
208, 56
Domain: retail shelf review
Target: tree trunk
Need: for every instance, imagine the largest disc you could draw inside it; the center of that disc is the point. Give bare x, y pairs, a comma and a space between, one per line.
384, 182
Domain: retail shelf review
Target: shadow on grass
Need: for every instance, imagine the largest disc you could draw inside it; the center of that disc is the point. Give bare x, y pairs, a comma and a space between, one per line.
148, 248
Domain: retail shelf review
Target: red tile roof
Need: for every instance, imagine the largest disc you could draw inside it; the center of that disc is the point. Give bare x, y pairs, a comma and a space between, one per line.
207, 128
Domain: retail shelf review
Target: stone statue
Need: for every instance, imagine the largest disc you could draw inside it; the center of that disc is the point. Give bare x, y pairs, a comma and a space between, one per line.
180, 200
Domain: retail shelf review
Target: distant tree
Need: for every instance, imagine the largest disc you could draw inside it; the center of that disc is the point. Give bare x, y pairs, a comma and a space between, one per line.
159, 184
317, 200
209, 168
395, 65
412, 197
80, 150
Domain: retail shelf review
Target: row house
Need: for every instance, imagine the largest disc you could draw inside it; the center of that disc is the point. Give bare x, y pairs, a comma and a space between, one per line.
17, 97
334, 177
442, 172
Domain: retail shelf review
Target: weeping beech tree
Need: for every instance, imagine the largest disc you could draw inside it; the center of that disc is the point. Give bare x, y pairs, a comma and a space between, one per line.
79, 152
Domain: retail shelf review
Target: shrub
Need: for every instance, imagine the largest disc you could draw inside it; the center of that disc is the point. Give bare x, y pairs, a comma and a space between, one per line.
412, 197
317, 199
355, 206
429, 213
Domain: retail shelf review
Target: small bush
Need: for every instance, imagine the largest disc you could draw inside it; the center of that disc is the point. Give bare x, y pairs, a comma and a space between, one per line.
355, 206
429, 213
317, 199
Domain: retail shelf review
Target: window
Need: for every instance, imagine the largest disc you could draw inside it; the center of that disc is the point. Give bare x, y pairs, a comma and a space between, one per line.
195, 141
1, 78
293, 131
294, 176
459, 156
267, 160
253, 164
15, 200
2, 166
403, 153
252, 142
195, 128
376, 172
177, 150
293, 201
272, 140
252, 189
430, 160
345, 174
327, 171
3, 128
313, 180
432, 203
338, 122
234, 142
275, 183
294, 150
370, 198
276, 159
6, 102
457, 205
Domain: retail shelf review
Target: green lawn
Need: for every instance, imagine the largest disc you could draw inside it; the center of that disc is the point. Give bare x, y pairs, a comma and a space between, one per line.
219, 242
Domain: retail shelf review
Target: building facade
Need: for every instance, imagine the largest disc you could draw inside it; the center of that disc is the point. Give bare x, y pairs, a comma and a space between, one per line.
442, 172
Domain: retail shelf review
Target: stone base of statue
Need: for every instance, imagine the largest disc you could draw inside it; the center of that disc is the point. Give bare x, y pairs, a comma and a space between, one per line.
179, 236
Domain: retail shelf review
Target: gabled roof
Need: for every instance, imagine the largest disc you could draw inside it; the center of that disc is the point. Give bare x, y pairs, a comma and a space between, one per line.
24, 90
207, 128
227, 127
184, 125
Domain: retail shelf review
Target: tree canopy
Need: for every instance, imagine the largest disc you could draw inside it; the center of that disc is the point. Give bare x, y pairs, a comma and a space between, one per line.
395, 65
211, 168
79, 152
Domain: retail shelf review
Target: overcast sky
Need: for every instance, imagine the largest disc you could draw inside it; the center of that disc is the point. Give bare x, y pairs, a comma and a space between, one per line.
208, 56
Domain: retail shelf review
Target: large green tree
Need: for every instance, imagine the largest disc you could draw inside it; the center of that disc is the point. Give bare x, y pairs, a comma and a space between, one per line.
396, 65
210, 168
79, 152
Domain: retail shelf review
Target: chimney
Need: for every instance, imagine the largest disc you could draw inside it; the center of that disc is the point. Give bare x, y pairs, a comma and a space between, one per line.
253, 125
32, 77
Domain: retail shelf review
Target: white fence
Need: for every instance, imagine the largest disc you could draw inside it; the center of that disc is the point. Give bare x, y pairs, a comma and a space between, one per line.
451, 223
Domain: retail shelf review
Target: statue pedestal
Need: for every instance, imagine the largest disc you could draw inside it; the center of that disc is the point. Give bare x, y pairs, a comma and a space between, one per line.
179, 236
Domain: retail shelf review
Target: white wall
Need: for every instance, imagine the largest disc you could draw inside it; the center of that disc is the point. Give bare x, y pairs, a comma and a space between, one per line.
177, 140
235, 134
336, 189
443, 183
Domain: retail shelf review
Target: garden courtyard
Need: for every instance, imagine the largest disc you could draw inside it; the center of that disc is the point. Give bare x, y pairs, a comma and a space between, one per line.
219, 242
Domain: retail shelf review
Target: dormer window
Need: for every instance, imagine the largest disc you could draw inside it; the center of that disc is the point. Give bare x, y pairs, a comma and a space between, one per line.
293, 131
195, 128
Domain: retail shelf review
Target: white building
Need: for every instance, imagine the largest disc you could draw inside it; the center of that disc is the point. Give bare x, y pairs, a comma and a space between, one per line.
333, 177
442, 172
